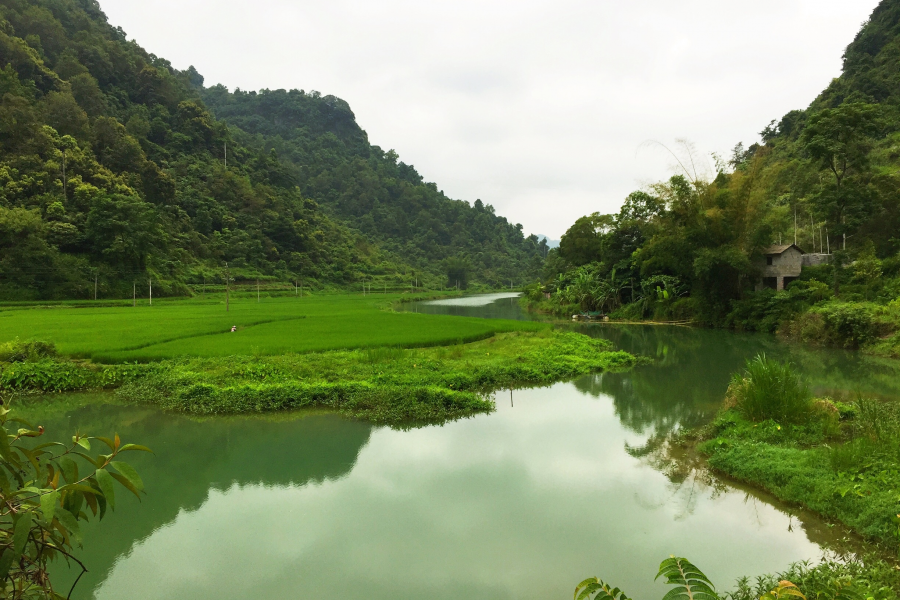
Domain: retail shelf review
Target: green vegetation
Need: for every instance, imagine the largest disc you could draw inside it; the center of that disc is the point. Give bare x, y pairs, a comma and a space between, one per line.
691, 584
115, 173
692, 247
383, 385
46, 490
827, 581
837, 459
770, 390
273, 326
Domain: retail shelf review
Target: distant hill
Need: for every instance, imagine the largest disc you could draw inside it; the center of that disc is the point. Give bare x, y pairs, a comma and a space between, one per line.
550, 243
329, 156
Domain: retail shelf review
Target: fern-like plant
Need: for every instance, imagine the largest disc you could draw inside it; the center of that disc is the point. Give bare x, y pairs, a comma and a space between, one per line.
691, 584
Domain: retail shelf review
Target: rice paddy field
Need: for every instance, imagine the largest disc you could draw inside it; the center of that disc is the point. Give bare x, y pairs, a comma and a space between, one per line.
202, 328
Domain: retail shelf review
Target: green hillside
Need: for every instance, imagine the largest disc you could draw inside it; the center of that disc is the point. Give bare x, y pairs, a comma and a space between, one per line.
332, 161
113, 168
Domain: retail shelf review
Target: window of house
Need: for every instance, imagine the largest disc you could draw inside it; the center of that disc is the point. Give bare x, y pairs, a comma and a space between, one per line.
769, 260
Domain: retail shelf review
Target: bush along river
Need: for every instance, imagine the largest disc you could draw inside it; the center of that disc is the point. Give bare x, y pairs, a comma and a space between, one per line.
557, 485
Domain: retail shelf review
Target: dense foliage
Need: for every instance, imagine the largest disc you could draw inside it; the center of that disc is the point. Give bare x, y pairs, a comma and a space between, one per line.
113, 173
692, 247
47, 490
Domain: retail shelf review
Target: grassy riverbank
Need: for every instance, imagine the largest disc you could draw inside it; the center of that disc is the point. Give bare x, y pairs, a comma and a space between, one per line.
384, 384
838, 459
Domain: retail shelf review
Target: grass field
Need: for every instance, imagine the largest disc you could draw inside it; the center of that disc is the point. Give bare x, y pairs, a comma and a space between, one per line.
198, 328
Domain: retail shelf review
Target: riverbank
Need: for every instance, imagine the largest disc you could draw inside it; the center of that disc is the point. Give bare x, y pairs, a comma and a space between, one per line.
387, 385
796, 314
836, 459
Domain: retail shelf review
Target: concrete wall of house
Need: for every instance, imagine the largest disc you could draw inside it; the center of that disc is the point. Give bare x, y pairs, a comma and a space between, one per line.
814, 260
788, 265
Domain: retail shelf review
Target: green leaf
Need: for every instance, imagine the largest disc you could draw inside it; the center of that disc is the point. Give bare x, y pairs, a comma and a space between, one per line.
105, 481
4, 481
587, 588
20, 532
6, 562
129, 473
69, 469
127, 447
692, 583
83, 442
108, 442
48, 505
67, 520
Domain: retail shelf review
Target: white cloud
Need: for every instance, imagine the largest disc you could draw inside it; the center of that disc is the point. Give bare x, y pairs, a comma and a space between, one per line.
536, 107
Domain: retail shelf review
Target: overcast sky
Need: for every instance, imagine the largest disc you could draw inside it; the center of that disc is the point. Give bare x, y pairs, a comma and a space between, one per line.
538, 107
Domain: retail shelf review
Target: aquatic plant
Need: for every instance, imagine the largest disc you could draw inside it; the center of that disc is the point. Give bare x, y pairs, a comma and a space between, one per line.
768, 389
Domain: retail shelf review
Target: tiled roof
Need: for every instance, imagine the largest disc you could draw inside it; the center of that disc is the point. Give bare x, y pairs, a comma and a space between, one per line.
780, 249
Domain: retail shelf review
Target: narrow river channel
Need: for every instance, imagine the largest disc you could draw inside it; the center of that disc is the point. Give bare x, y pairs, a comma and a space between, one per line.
559, 484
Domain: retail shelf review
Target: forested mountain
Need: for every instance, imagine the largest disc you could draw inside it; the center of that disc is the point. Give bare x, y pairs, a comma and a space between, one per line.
332, 161
112, 166
690, 247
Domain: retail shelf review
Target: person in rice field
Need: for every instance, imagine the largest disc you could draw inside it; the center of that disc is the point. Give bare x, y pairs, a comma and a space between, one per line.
233, 328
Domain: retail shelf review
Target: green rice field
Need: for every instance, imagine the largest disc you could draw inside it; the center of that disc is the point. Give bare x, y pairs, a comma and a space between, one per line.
201, 327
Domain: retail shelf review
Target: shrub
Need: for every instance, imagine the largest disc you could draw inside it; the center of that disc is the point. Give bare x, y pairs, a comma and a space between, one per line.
32, 350
771, 390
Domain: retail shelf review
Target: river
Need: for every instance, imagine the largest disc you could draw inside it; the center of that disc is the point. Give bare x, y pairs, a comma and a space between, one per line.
559, 484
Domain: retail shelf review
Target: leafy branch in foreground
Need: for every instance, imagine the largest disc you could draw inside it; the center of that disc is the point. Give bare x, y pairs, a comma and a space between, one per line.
45, 490
691, 584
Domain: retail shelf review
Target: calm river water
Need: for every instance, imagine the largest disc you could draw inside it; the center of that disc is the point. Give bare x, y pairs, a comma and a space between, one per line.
521, 504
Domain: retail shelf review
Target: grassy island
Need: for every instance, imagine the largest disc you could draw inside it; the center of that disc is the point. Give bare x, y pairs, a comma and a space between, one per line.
348, 353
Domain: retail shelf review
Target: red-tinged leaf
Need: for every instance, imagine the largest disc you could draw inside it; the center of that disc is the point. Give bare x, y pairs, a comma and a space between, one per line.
105, 481
91, 500
128, 447
118, 442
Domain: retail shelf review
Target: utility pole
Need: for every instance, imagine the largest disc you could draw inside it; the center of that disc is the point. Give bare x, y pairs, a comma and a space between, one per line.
795, 225
227, 286
65, 195
151, 291
828, 240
